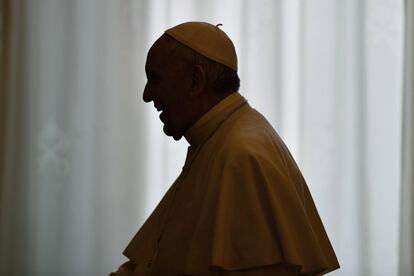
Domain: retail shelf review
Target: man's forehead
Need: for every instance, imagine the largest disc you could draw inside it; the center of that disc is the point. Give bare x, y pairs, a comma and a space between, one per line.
154, 59
158, 51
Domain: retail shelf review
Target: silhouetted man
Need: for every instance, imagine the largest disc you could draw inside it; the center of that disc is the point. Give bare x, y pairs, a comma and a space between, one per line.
240, 205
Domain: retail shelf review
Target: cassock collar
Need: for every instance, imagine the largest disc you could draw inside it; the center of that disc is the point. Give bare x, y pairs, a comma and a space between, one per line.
210, 121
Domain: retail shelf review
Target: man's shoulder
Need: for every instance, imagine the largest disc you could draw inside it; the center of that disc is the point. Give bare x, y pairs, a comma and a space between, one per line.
251, 134
250, 137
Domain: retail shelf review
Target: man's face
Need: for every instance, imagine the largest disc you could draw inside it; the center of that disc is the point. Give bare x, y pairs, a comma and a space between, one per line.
168, 84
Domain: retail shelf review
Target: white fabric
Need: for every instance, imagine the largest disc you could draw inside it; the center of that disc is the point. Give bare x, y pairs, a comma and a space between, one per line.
93, 160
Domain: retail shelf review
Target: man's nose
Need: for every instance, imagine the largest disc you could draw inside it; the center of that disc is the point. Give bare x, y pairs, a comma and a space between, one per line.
146, 96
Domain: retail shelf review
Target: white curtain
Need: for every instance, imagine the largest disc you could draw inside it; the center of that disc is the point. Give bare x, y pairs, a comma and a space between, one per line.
407, 198
92, 160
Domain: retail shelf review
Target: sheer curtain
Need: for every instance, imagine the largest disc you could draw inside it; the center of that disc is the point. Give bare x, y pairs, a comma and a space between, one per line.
91, 160
407, 199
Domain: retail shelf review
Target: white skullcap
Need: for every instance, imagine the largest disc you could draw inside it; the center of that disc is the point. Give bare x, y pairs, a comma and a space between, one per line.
207, 40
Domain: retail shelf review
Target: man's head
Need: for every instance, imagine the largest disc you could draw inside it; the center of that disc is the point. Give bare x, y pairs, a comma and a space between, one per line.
189, 69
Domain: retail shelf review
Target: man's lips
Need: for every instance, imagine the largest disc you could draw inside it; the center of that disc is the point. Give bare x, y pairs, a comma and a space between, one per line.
160, 109
157, 107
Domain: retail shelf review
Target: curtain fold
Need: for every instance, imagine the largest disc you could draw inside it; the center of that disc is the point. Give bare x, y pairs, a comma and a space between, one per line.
407, 191
11, 33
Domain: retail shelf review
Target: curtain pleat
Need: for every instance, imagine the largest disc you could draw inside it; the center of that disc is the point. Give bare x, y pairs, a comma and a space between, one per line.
406, 251
10, 76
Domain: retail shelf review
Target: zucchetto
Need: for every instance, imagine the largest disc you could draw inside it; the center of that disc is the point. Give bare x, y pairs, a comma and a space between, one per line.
207, 40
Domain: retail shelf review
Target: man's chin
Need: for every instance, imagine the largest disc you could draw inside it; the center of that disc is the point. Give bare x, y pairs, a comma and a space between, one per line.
175, 136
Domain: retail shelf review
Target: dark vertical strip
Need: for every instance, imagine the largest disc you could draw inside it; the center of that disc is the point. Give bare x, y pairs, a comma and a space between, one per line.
20, 257
8, 131
406, 244
5, 48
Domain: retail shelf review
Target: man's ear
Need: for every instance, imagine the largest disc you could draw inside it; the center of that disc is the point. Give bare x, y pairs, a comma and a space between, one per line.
198, 80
